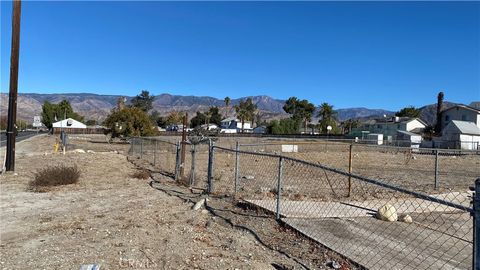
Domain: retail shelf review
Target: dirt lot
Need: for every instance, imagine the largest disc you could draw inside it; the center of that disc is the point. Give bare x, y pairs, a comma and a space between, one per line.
118, 221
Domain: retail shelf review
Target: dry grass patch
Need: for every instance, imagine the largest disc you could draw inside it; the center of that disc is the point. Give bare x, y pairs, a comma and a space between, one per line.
141, 174
54, 176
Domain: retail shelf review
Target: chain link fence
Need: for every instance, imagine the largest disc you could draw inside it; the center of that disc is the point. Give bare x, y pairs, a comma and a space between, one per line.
340, 210
422, 169
378, 221
158, 155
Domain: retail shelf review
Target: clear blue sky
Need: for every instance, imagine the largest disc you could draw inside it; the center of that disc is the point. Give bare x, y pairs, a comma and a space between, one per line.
372, 54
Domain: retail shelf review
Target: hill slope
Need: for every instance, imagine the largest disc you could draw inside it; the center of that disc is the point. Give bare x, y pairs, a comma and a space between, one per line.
97, 107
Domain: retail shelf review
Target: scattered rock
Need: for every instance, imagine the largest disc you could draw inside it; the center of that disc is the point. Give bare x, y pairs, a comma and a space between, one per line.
387, 213
199, 204
90, 151
405, 218
414, 157
204, 211
248, 177
78, 151
333, 264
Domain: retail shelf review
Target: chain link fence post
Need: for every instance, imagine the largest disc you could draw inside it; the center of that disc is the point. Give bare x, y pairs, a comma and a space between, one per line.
211, 159
177, 160
436, 169
237, 163
279, 186
350, 170
131, 151
476, 226
155, 154
192, 168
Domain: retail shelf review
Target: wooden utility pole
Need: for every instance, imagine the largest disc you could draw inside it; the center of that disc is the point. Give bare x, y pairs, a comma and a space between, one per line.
12, 97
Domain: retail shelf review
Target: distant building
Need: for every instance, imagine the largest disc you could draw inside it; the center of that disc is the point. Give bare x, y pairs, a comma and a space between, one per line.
234, 125
460, 135
374, 138
70, 125
177, 128
389, 127
260, 130
408, 139
209, 127
460, 113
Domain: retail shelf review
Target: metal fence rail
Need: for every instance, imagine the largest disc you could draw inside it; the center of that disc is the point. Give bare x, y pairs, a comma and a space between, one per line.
331, 205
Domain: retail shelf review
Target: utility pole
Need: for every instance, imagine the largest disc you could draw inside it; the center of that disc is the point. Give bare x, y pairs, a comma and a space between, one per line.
12, 97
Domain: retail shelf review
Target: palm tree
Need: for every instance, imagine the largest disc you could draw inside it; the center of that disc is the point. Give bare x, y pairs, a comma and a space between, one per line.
349, 124
227, 103
326, 114
439, 112
245, 111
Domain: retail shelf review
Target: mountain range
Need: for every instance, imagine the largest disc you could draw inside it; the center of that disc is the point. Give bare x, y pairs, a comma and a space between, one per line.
97, 107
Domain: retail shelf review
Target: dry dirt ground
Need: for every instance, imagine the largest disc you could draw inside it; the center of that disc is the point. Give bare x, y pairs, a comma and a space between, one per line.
121, 222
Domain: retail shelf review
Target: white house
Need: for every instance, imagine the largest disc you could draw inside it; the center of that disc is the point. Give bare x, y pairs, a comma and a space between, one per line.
69, 123
461, 135
231, 123
461, 113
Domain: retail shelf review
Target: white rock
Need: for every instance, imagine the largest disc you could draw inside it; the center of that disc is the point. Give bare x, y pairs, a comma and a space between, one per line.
78, 151
405, 218
387, 213
334, 264
249, 177
199, 204
90, 151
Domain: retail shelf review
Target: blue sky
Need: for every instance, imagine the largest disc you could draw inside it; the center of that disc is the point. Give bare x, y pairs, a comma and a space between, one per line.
371, 54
